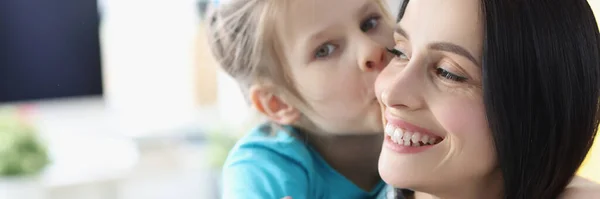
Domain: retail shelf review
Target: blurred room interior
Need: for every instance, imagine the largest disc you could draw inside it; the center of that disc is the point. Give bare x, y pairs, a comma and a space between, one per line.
127, 98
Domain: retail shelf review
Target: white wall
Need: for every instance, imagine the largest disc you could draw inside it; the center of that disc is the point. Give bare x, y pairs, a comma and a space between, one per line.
393, 6
148, 62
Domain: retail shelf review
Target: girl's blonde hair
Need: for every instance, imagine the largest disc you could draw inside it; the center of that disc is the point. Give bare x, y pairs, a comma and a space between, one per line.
243, 38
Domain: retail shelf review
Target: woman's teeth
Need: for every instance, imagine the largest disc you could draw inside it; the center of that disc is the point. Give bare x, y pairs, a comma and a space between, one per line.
407, 138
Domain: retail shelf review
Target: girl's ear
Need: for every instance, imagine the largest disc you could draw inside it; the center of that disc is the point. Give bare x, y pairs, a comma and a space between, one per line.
263, 98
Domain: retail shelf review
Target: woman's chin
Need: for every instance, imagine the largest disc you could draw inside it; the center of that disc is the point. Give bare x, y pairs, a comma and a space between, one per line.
402, 171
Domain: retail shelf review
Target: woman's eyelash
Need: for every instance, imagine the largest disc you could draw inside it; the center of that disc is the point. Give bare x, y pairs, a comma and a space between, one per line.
450, 76
440, 71
395, 52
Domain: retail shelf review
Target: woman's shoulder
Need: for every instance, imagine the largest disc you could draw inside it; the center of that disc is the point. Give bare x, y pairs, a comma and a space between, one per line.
581, 188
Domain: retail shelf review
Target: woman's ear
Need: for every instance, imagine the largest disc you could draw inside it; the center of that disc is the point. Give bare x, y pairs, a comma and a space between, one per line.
263, 98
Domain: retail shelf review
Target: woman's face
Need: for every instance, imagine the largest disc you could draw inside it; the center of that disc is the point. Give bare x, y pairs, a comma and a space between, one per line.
431, 97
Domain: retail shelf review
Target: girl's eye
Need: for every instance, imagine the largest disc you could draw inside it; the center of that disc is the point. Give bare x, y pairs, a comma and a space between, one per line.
369, 24
397, 53
325, 50
450, 76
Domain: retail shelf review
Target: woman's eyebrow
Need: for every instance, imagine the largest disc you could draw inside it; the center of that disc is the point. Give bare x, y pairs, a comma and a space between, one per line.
398, 29
453, 48
442, 46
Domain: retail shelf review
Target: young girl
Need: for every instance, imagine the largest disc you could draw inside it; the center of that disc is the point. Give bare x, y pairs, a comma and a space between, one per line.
309, 67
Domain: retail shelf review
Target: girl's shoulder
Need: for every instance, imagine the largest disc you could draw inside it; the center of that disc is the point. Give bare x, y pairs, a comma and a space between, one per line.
266, 165
263, 145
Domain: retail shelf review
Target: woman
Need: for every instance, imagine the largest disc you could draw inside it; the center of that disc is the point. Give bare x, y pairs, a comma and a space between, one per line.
491, 99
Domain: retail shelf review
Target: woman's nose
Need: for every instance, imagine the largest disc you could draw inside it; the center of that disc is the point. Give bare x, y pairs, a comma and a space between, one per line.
401, 87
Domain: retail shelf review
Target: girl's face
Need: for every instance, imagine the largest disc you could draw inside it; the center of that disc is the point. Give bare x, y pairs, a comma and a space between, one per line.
335, 49
431, 97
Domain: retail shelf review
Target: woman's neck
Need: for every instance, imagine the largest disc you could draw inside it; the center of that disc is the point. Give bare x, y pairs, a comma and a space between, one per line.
354, 156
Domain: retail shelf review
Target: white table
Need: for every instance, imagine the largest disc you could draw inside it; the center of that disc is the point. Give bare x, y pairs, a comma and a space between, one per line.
94, 159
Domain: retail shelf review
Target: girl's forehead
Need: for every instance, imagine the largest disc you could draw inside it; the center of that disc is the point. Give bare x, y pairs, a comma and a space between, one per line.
304, 21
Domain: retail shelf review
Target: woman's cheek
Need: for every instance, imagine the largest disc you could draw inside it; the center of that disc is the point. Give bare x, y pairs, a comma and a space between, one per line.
464, 120
462, 117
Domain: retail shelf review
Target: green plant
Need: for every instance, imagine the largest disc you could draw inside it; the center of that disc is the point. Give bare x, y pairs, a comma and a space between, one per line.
21, 152
220, 142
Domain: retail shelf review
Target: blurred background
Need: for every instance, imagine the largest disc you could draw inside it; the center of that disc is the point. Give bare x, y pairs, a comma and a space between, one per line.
118, 99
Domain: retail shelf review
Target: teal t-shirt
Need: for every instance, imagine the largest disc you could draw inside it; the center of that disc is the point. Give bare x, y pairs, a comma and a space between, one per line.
264, 165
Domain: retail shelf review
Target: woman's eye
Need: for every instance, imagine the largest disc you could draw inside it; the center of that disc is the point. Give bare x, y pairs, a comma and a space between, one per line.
369, 24
448, 75
325, 50
397, 53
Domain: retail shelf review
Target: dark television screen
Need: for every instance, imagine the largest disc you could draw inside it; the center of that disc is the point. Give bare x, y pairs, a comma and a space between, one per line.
49, 49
